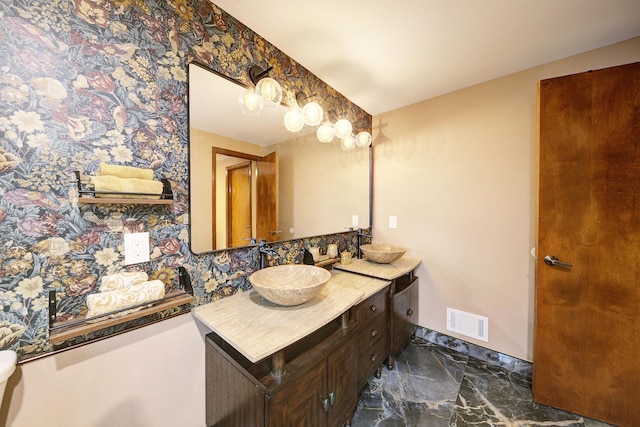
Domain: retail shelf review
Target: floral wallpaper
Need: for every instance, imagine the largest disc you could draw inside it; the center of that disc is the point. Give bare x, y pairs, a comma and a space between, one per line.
90, 81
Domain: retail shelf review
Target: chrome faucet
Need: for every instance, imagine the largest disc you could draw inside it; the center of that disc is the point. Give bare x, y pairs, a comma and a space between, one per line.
362, 234
263, 251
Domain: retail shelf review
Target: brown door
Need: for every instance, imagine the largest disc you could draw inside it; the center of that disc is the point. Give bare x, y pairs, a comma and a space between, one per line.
239, 205
587, 316
341, 383
268, 205
299, 402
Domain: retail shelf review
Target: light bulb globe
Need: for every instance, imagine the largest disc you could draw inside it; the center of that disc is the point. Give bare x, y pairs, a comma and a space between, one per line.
313, 114
348, 143
293, 120
325, 133
342, 128
363, 139
270, 91
251, 103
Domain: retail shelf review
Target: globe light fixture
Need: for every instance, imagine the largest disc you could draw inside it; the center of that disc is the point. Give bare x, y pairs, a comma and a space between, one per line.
342, 128
270, 91
251, 103
348, 143
325, 133
363, 139
312, 113
294, 120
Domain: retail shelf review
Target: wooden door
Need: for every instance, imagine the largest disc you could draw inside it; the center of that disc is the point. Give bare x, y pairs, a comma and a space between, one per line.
404, 313
268, 203
239, 205
299, 402
587, 317
341, 383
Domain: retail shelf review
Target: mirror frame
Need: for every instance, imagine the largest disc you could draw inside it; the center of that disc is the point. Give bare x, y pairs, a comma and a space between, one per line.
242, 85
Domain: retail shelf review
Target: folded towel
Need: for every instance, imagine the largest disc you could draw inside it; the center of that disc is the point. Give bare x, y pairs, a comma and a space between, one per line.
122, 281
125, 171
106, 183
105, 302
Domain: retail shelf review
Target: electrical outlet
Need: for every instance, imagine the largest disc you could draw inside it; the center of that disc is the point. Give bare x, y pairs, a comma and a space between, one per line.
393, 221
354, 220
136, 248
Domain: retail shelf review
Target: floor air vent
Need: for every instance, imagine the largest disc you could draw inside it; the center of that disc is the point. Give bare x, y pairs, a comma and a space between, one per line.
468, 324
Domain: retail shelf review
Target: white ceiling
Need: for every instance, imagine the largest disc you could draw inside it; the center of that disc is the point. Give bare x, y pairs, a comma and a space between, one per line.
384, 54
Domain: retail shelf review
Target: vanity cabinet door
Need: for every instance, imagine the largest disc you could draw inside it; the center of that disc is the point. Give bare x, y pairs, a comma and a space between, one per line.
324, 395
299, 402
341, 383
404, 314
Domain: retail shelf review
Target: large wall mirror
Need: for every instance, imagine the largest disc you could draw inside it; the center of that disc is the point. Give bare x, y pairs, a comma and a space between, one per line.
253, 180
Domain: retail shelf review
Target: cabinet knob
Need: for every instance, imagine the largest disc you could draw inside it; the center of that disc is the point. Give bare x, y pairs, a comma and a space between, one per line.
409, 312
373, 358
373, 308
332, 398
325, 404
374, 333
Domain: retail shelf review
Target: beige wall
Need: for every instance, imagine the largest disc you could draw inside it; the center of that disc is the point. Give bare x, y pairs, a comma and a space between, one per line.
459, 172
153, 376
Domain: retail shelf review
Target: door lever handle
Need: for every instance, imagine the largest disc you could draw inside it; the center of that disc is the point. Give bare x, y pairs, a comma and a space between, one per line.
555, 262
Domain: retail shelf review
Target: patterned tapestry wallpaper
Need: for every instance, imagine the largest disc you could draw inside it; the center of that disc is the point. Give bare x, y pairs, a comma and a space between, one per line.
90, 81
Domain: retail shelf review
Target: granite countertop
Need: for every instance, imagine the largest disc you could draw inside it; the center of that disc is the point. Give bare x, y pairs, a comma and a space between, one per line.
258, 328
382, 271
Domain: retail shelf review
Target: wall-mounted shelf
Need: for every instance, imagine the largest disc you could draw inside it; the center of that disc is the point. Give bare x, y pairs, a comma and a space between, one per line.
63, 331
95, 197
327, 262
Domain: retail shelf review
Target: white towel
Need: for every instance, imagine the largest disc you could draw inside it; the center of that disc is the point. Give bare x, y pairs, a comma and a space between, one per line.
125, 171
122, 281
105, 302
107, 183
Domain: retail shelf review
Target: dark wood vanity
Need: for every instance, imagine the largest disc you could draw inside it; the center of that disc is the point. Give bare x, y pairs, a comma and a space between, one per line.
317, 387
315, 381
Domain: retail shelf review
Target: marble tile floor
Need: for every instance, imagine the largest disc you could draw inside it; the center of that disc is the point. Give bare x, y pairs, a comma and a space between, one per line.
435, 386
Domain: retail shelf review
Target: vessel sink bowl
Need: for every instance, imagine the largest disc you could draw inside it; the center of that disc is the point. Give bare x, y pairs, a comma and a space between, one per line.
382, 253
291, 284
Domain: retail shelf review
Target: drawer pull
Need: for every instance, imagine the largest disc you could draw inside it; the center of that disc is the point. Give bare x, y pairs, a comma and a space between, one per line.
332, 398
325, 404
374, 333
373, 308
373, 358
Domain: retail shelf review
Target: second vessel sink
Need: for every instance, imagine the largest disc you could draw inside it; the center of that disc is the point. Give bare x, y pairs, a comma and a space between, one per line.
291, 284
381, 253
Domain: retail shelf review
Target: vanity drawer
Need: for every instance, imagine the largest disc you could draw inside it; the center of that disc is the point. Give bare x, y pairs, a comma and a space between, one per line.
370, 360
372, 307
370, 334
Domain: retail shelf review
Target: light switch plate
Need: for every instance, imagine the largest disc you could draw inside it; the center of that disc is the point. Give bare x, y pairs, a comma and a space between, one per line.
393, 221
136, 248
354, 220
